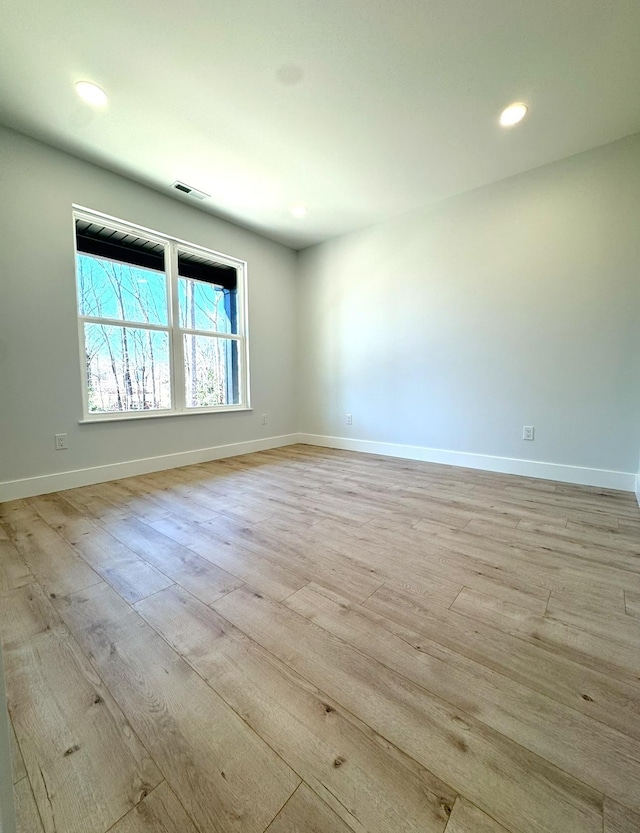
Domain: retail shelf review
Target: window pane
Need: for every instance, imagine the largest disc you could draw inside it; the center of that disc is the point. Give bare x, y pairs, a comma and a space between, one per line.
107, 289
127, 369
205, 306
211, 371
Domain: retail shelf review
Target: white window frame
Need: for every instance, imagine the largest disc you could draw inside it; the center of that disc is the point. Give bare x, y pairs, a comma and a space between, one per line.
175, 332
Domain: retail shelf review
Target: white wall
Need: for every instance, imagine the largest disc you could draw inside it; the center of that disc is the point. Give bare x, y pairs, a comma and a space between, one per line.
39, 359
448, 329
515, 304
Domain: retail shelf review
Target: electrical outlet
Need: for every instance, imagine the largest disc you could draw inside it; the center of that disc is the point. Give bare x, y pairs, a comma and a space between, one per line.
265, 419
61, 442
528, 432
349, 419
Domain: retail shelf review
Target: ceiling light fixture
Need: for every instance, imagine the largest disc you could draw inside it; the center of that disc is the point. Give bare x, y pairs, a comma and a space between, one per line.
513, 114
299, 211
91, 93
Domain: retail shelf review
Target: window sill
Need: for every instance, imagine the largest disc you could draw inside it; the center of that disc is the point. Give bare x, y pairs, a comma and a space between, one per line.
132, 417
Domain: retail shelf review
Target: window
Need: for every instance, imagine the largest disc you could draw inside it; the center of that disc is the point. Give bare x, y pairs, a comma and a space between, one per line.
162, 323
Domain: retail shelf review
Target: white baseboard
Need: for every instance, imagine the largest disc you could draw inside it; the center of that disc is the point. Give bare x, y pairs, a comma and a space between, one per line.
625, 481
30, 486
603, 478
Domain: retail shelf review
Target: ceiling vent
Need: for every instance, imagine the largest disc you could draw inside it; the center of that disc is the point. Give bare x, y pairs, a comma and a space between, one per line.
189, 191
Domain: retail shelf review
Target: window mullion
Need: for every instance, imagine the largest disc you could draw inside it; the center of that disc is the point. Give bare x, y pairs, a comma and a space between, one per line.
177, 342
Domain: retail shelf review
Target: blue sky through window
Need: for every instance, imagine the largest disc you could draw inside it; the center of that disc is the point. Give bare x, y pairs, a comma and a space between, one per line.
107, 289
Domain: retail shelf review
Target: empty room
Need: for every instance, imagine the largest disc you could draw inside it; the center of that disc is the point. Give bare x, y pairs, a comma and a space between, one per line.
320, 417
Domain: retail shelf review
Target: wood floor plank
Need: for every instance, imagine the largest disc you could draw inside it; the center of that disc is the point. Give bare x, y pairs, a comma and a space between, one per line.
313, 564
378, 565
240, 507
352, 511
200, 577
542, 525
563, 500
564, 541
159, 812
583, 522
542, 565
129, 575
551, 571
458, 514
480, 606
556, 569
223, 774
499, 511
52, 561
371, 787
607, 760
65, 518
91, 503
15, 510
584, 689
632, 603
14, 571
618, 819
601, 600
128, 501
85, 764
479, 530
279, 502
306, 812
427, 562
423, 625
27, 816
264, 575
180, 502
460, 751
621, 658
17, 762
595, 614
467, 818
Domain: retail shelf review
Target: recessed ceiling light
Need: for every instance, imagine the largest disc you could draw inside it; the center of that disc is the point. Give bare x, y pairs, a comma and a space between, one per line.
299, 211
91, 93
513, 114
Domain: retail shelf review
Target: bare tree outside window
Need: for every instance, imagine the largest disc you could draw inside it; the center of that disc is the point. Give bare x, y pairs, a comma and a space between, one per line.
128, 368
209, 361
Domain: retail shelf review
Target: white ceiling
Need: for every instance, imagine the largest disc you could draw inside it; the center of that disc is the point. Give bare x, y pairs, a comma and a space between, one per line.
360, 109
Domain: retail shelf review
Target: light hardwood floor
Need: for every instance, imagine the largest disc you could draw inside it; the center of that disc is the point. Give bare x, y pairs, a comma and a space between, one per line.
315, 640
